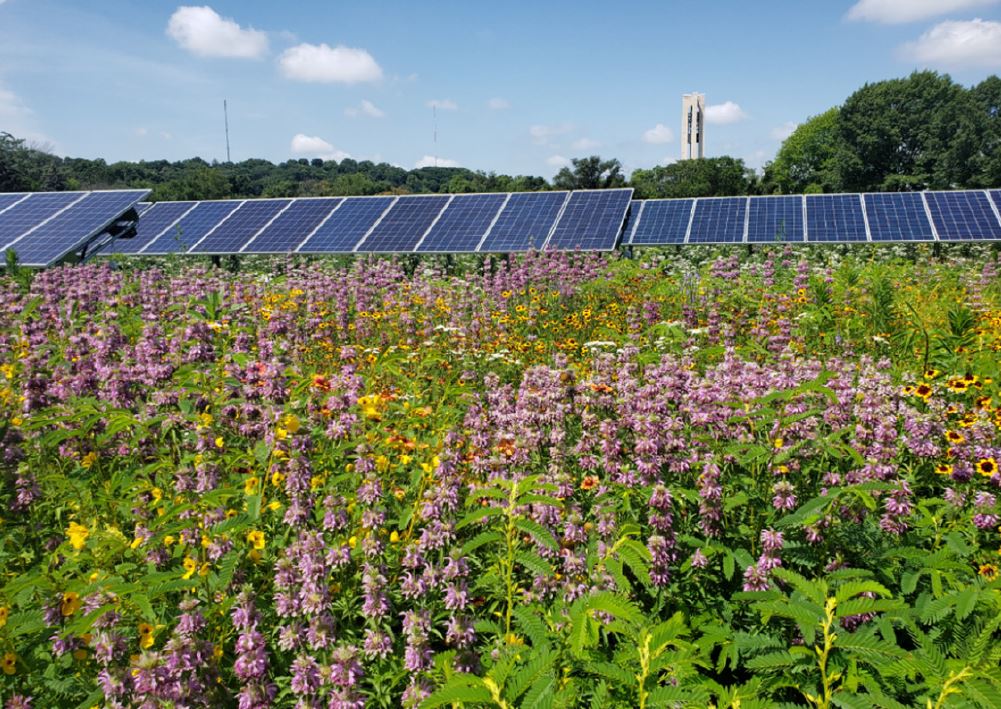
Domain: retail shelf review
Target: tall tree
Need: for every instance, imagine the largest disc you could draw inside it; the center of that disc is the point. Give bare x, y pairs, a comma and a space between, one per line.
590, 173
987, 96
806, 161
915, 133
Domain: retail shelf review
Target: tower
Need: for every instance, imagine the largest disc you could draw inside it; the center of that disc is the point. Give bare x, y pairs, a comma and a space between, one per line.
693, 111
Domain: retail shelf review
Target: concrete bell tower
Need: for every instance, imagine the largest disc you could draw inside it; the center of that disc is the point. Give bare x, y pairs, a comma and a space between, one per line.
693, 112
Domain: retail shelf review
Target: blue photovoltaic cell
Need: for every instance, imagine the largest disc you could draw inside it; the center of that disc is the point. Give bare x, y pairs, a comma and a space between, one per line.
718, 221
193, 226
963, 216
292, 226
31, 212
775, 219
141, 207
9, 198
404, 225
898, 216
346, 225
463, 223
631, 216
663, 221
240, 228
71, 228
591, 221
525, 222
151, 224
996, 198
834, 217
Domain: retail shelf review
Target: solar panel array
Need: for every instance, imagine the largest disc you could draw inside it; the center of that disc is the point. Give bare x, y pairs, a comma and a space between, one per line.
967, 215
43, 227
462, 223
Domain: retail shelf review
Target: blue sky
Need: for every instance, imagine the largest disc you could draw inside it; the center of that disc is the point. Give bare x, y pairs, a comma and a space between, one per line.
520, 86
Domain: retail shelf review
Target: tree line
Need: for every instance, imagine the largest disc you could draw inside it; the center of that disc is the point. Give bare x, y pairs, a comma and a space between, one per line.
920, 132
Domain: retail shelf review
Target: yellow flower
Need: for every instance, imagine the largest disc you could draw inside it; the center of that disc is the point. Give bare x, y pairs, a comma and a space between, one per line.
292, 423
157, 494
778, 443
954, 437
9, 663
987, 467
250, 485
371, 406
136, 543
281, 434
145, 635
988, 571
274, 505
77, 534
88, 460
943, 469
168, 540
353, 542
277, 478
316, 482
4, 614
219, 442
206, 419
217, 651
203, 570
394, 536
256, 539
70, 603
190, 566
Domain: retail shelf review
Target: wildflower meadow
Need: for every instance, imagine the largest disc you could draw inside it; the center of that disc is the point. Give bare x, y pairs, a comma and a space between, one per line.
685, 479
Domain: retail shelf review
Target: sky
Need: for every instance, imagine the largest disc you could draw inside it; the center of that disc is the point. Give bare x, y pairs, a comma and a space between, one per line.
516, 87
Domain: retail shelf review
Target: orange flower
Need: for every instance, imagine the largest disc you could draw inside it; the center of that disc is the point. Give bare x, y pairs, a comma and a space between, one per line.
589, 482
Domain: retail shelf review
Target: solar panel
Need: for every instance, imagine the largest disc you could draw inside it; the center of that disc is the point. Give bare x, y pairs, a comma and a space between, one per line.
152, 222
463, 223
291, 227
181, 236
632, 216
775, 219
898, 216
662, 221
24, 215
591, 220
963, 216
403, 225
718, 220
234, 233
141, 207
9, 199
70, 228
996, 198
346, 225
525, 222
835, 217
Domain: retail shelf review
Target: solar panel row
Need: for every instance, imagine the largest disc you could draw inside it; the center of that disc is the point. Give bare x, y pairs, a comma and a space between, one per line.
502, 222
876, 217
43, 227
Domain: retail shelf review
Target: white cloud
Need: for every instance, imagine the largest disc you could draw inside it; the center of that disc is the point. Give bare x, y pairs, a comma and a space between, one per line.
725, 113
900, 11
367, 108
543, 134
432, 161
658, 135
445, 104
956, 44
311, 146
201, 31
585, 144
142, 132
11, 105
785, 130
329, 65
557, 161
498, 104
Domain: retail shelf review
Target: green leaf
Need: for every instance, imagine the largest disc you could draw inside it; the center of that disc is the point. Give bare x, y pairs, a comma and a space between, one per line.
540, 534
478, 515
462, 688
481, 539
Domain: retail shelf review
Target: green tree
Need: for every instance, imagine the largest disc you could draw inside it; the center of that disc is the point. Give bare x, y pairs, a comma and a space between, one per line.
915, 133
806, 160
590, 173
710, 177
987, 96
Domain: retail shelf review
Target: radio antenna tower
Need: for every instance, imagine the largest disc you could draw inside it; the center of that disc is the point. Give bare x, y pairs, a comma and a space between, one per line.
225, 116
434, 137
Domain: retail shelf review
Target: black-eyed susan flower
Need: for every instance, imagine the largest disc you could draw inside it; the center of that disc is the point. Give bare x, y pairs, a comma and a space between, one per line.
943, 469
924, 391
70, 603
8, 663
988, 571
987, 467
954, 437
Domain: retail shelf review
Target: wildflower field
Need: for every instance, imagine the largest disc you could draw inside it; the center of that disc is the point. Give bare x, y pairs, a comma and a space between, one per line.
686, 479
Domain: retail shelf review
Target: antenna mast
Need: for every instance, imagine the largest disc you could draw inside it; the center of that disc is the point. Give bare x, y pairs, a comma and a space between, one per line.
225, 115
434, 120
